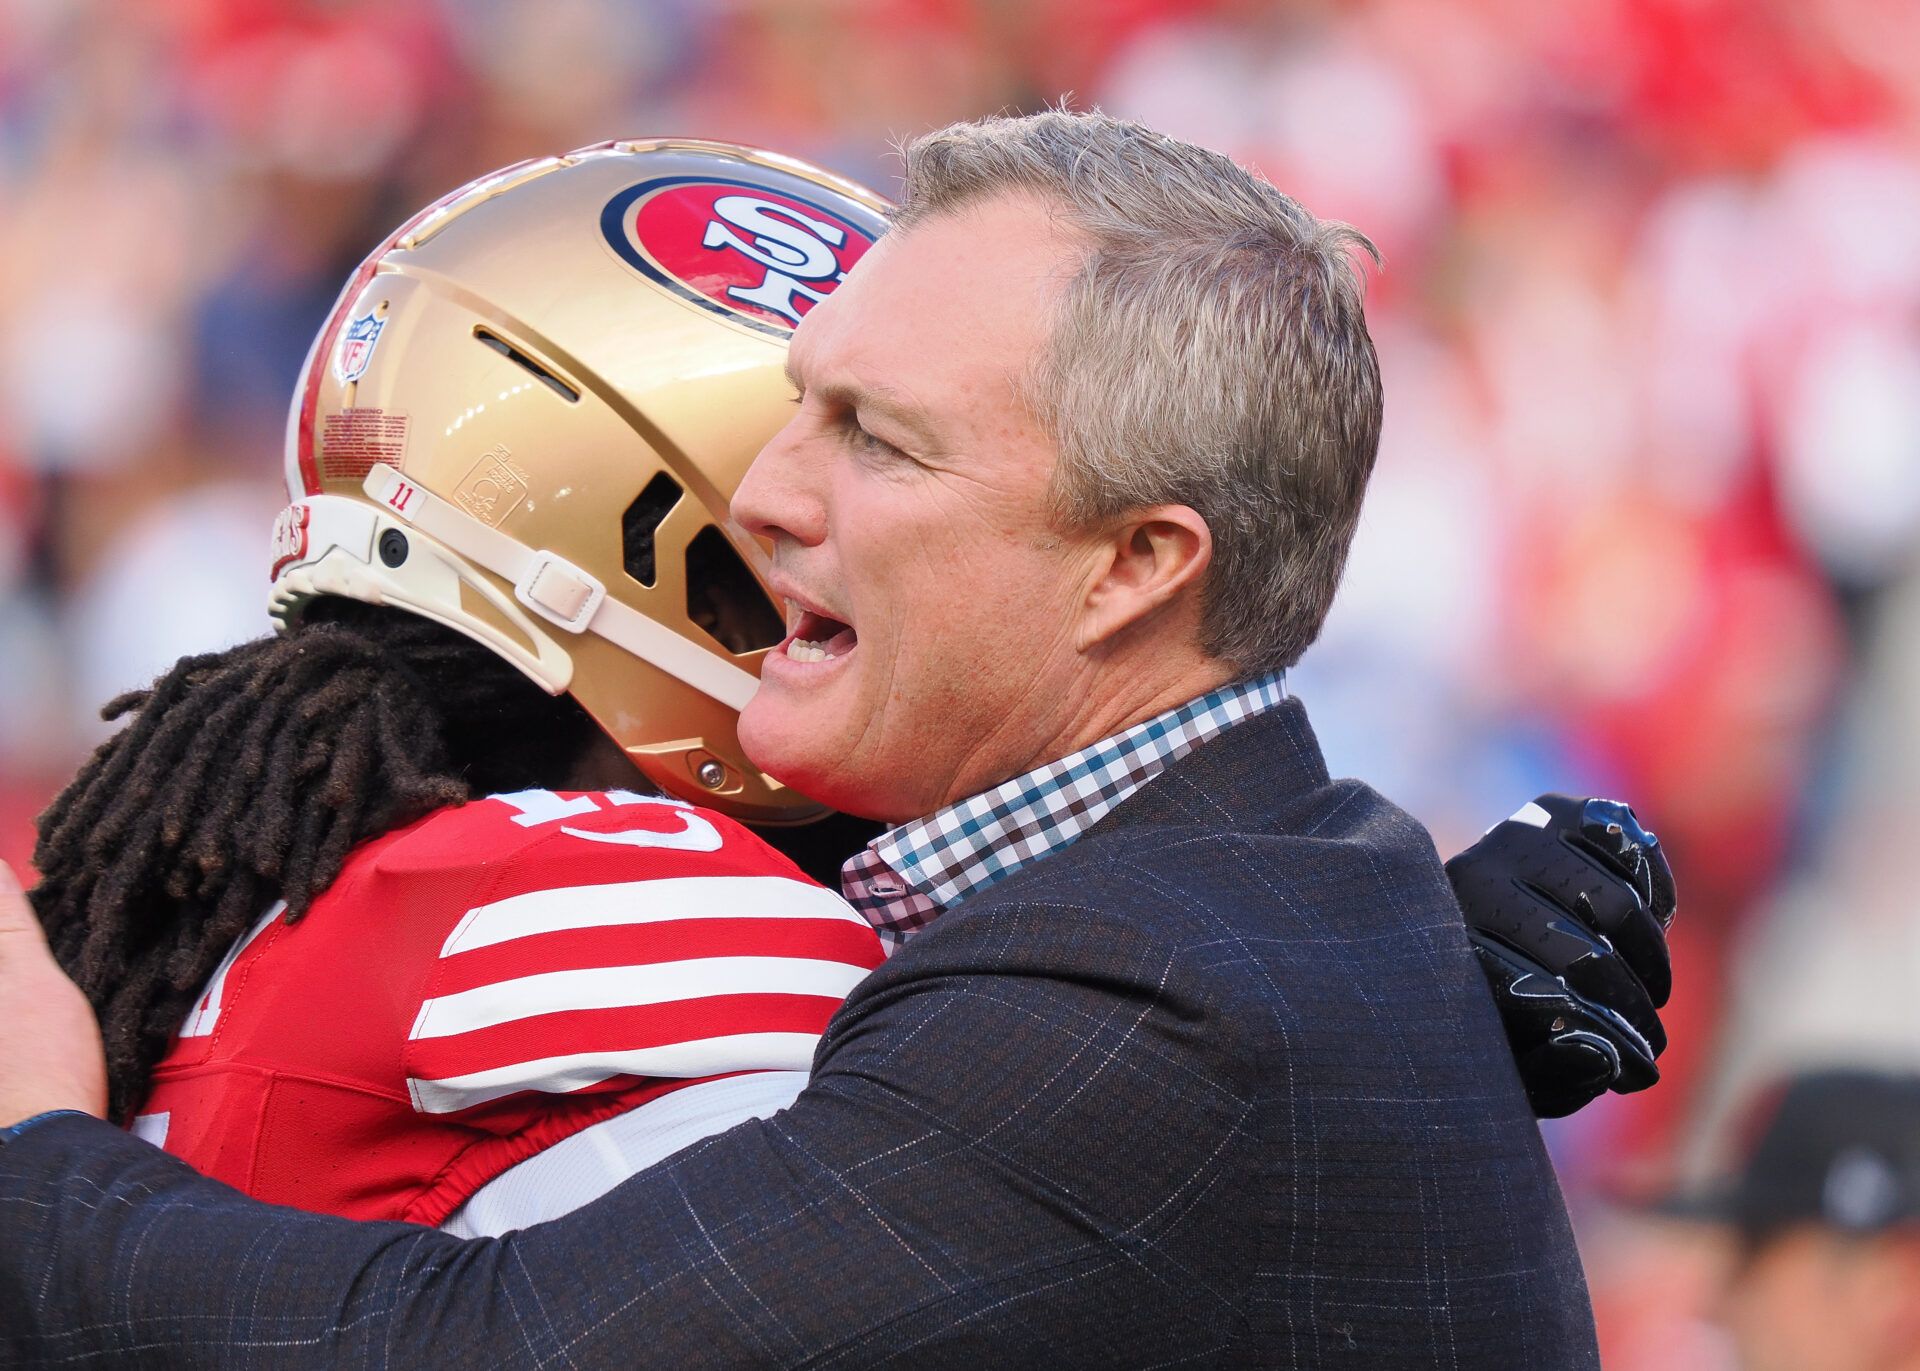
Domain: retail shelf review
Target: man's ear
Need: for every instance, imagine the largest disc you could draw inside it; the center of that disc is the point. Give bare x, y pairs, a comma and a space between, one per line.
1149, 560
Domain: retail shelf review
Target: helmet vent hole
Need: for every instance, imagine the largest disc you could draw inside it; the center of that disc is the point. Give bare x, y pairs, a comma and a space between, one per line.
642, 521
725, 600
526, 363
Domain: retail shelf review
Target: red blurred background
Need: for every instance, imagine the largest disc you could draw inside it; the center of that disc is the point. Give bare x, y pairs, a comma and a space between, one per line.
1646, 515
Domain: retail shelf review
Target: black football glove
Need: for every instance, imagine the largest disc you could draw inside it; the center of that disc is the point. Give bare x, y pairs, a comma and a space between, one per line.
1568, 904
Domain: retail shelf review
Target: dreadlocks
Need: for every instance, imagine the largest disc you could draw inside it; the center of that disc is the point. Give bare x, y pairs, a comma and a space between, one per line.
246, 776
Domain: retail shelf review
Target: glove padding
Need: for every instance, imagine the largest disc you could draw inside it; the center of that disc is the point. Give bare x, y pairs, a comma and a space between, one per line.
1567, 905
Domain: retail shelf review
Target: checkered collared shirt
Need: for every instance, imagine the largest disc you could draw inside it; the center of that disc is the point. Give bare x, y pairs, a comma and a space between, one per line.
906, 877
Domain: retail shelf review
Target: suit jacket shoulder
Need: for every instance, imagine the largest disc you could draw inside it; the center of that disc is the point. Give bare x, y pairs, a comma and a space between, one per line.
1300, 977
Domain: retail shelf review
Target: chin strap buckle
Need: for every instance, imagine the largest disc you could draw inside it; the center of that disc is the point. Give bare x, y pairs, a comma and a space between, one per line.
559, 591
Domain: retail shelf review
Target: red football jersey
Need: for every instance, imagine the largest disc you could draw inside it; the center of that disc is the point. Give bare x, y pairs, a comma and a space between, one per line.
485, 982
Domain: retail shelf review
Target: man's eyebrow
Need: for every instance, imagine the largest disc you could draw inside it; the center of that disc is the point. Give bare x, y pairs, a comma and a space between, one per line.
871, 399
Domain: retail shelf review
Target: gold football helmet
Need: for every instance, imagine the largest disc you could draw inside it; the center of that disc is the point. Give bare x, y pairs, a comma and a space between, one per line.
529, 409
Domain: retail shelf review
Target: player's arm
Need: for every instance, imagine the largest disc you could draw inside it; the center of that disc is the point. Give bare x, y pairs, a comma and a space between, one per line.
1567, 904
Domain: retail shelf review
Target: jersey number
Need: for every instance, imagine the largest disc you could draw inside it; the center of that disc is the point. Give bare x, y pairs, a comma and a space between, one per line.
544, 807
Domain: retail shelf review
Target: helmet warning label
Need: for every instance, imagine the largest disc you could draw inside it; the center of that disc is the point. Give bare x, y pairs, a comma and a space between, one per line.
354, 441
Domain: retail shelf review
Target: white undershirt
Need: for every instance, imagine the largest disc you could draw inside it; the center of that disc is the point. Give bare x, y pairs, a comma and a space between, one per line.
593, 1161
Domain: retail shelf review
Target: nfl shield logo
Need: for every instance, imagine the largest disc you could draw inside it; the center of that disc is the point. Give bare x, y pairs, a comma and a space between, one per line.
356, 346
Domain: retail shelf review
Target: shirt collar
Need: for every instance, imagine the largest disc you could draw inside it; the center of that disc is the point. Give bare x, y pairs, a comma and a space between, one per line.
909, 875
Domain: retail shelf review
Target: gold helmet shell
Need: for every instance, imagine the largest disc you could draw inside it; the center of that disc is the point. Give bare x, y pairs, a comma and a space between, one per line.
529, 410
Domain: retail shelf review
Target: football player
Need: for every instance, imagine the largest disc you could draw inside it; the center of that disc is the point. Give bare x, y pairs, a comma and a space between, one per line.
442, 904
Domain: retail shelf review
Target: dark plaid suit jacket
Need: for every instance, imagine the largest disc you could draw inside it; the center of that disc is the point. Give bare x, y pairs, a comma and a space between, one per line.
1218, 1085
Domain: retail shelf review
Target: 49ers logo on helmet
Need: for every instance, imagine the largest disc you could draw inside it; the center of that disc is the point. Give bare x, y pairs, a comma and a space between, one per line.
759, 256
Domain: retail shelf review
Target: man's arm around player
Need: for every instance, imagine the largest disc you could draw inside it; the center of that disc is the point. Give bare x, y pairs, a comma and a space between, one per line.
1058, 1128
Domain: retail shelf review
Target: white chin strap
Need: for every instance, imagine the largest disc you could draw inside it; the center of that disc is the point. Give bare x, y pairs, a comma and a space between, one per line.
546, 583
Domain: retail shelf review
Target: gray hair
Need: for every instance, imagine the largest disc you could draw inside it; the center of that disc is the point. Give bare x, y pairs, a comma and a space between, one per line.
1212, 351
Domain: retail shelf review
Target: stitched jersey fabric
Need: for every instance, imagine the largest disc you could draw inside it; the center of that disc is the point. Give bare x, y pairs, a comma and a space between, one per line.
488, 981
1218, 1085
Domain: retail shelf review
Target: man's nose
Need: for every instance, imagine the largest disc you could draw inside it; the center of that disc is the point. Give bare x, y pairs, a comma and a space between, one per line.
779, 495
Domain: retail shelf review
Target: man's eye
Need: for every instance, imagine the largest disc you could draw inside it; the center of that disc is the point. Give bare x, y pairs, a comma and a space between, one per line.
860, 439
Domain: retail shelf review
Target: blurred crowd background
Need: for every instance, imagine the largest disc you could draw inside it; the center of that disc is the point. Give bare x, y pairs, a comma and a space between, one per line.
1648, 504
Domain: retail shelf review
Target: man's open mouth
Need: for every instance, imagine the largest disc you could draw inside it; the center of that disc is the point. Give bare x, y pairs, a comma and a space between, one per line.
816, 638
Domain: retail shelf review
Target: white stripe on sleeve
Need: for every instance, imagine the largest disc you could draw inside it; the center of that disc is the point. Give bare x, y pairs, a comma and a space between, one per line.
618, 987
667, 900
557, 1075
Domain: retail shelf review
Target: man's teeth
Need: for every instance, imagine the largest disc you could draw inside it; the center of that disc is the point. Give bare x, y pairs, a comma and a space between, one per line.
802, 651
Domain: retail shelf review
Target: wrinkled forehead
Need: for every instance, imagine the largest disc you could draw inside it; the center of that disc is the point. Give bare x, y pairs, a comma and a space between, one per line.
956, 305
